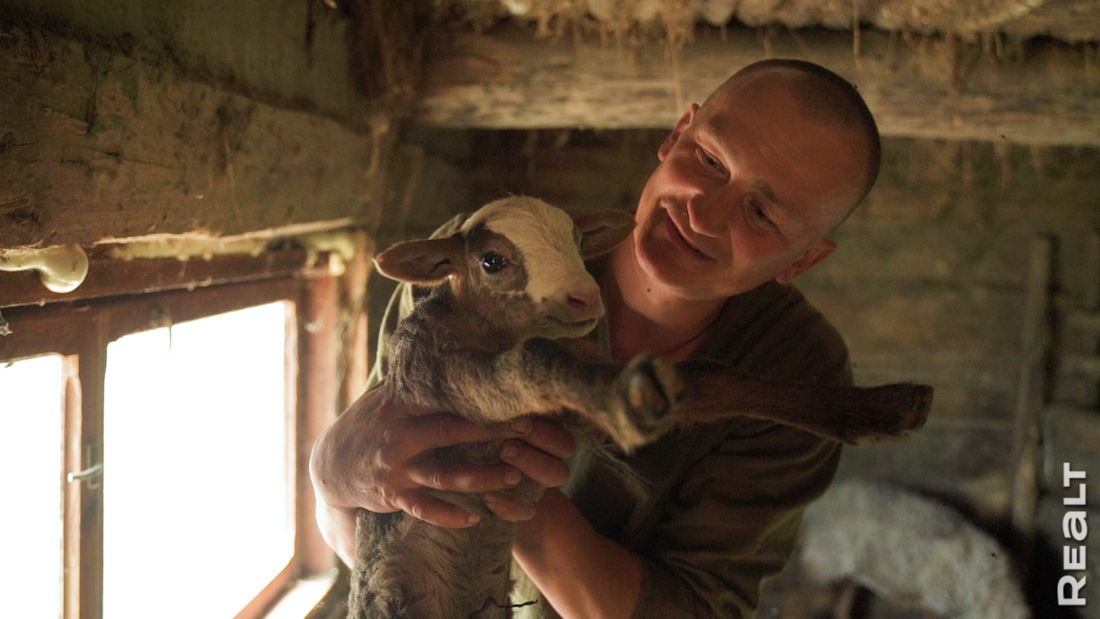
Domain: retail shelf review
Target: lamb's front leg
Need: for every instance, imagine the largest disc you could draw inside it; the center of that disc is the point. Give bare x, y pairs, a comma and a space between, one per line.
631, 404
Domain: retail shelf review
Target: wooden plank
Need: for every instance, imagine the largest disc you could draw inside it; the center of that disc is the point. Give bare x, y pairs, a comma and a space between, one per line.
109, 277
1080, 369
317, 410
508, 78
1032, 390
355, 323
35, 332
1071, 435
60, 328
93, 367
72, 493
132, 315
95, 145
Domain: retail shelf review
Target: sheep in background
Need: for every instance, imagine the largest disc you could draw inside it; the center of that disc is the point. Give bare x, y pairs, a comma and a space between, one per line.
909, 550
498, 337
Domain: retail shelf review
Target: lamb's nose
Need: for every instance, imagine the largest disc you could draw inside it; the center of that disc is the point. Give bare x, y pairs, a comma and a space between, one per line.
585, 303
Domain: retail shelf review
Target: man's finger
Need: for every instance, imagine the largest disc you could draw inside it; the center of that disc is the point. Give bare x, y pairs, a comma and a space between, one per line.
419, 504
549, 436
547, 470
508, 509
463, 477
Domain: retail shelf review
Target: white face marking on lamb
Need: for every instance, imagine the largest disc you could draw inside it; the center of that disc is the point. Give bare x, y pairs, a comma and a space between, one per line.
544, 235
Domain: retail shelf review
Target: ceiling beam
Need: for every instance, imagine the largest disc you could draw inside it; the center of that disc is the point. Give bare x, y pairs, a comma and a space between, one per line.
1039, 93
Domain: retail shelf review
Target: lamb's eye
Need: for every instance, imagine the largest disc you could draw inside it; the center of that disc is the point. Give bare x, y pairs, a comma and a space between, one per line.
492, 262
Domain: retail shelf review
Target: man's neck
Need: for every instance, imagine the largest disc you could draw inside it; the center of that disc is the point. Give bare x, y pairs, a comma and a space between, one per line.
644, 316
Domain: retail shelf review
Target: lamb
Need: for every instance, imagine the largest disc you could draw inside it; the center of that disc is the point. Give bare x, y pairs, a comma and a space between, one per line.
499, 337
909, 549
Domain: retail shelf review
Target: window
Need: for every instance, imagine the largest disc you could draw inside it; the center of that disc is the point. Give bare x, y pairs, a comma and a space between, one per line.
205, 402
31, 441
164, 439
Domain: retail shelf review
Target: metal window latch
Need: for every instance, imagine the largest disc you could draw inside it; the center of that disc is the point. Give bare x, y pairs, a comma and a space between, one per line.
93, 474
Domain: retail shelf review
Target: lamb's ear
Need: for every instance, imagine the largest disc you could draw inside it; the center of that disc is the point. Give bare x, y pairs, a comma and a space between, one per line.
424, 263
601, 231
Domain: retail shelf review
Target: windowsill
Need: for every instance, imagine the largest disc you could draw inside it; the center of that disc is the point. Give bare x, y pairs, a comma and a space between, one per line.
302, 596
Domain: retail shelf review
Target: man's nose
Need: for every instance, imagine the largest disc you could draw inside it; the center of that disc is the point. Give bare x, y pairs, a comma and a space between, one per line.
709, 214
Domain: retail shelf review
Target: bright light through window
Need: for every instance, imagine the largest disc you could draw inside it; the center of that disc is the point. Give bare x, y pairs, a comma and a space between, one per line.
198, 517
31, 447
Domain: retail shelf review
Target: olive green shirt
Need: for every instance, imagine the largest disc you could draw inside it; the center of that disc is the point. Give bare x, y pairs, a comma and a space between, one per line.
714, 509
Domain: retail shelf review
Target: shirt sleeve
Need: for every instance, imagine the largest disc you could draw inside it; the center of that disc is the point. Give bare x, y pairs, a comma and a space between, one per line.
733, 521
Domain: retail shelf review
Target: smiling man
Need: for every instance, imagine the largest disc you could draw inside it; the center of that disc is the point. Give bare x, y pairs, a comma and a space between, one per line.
748, 189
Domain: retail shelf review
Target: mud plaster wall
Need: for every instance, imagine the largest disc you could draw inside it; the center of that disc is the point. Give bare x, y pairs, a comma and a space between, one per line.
125, 119
927, 284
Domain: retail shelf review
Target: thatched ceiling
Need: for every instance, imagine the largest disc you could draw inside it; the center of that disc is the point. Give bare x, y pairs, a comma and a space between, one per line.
1068, 20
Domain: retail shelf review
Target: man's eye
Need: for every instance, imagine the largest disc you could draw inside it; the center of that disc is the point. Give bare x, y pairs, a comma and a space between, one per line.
709, 161
760, 214
492, 262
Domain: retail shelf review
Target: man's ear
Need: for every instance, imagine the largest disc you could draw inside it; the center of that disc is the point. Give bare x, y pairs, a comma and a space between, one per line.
815, 254
424, 263
601, 231
681, 126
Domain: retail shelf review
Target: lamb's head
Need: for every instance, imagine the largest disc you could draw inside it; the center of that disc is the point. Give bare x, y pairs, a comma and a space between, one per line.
519, 263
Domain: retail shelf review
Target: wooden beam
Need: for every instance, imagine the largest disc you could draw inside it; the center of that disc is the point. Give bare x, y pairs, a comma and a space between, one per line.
108, 277
925, 88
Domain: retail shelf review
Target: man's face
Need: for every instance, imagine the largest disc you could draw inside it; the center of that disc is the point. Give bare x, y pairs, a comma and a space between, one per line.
746, 192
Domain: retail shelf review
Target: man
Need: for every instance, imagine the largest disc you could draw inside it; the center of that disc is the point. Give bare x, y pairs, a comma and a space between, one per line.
749, 186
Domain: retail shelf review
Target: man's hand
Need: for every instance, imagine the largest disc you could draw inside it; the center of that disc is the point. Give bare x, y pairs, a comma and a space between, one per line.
379, 456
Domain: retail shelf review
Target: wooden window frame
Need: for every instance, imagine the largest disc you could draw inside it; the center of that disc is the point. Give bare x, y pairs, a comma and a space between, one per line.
80, 330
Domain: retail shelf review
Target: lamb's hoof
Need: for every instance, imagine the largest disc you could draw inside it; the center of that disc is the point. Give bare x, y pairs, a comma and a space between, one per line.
915, 402
646, 392
895, 412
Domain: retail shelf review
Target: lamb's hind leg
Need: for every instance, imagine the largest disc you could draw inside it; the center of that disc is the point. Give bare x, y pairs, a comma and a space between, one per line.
843, 413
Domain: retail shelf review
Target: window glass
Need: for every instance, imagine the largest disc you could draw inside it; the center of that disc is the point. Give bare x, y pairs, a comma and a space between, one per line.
198, 516
31, 457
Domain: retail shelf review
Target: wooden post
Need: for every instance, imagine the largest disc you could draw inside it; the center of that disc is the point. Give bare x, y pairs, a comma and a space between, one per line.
83, 512
353, 303
1090, 302
317, 409
1031, 395
74, 461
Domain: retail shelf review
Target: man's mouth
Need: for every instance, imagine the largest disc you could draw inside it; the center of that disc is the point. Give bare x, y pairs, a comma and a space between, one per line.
679, 239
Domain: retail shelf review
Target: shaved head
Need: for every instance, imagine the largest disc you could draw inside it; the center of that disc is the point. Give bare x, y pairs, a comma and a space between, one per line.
824, 98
